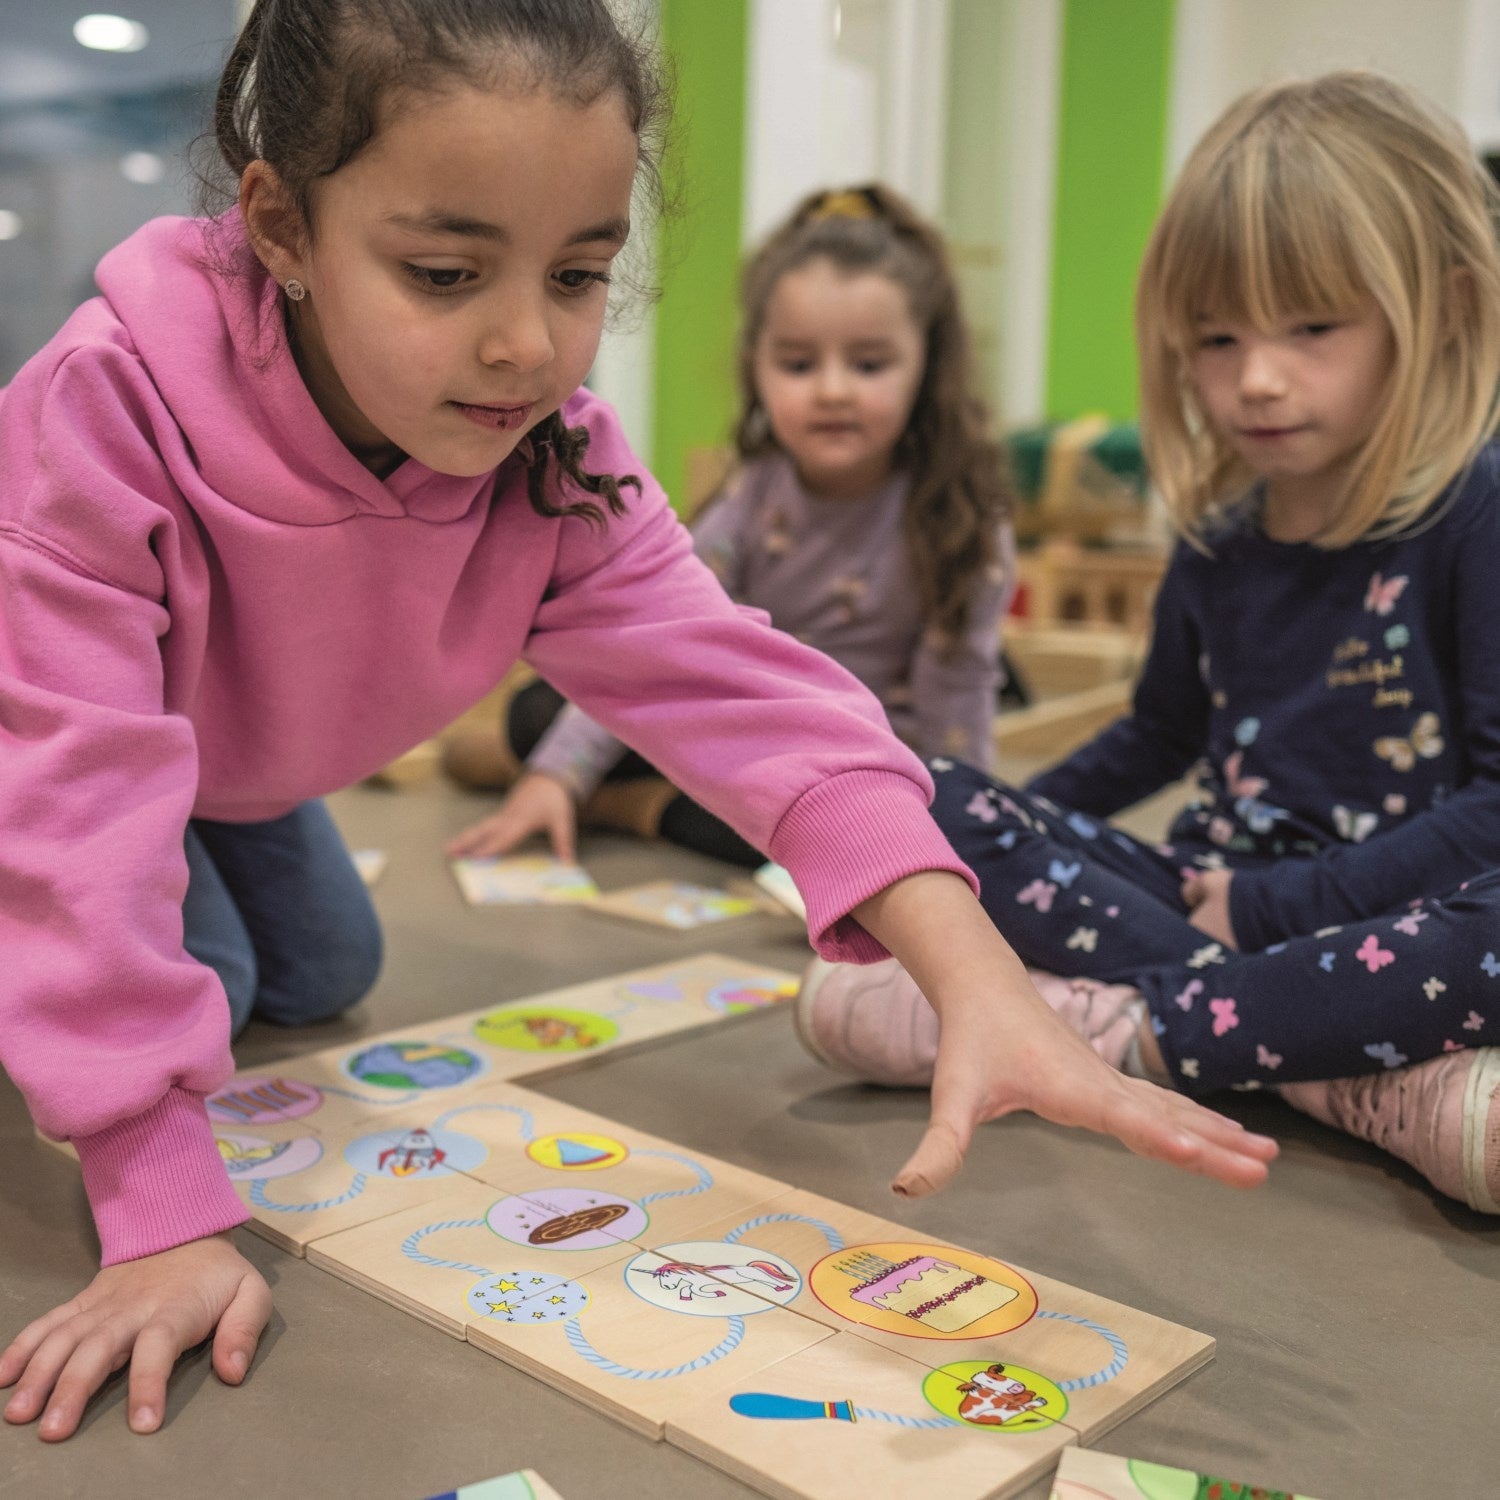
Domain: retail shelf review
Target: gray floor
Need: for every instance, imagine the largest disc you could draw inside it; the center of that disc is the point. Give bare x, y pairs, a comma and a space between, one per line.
1356, 1313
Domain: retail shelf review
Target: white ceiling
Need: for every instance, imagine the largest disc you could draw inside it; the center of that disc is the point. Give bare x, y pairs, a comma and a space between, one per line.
40, 61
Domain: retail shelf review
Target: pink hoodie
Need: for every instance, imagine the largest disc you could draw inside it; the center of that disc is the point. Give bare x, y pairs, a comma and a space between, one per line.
208, 607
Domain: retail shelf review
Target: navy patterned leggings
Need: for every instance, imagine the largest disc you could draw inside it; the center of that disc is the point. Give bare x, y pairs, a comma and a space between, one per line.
1079, 897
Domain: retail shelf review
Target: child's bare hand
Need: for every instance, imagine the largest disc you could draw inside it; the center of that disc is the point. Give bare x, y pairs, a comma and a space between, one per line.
985, 1070
1207, 897
538, 803
143, 1313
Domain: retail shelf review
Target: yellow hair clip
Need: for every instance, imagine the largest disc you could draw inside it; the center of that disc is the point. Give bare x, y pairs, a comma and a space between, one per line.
846, 203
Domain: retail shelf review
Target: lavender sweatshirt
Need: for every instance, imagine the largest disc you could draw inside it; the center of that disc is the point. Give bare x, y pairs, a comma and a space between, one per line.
837, 575
209, 607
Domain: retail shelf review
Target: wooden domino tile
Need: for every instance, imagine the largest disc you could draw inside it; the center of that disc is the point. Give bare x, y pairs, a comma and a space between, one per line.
848, 1420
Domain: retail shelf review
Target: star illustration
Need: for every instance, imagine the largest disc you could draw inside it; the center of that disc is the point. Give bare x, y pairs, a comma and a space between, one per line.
500, 1307
507, 1286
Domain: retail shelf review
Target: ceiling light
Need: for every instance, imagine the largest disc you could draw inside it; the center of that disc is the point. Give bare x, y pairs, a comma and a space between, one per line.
110, 33
10, 224
144, 167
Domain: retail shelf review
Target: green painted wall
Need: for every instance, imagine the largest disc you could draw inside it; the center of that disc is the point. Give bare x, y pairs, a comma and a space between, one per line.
694, 400
1112, 139
975, 177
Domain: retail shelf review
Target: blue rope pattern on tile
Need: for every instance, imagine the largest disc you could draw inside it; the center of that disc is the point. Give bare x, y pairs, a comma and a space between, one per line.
1115, 1342
259, 1199
410, 1243
582, 1347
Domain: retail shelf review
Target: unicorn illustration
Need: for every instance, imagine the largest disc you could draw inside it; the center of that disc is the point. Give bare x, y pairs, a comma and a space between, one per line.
690, 1281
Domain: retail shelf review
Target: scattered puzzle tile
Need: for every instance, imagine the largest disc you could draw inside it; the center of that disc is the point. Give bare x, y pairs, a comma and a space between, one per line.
523, 880
1085, 1474
524, 1484
675, 904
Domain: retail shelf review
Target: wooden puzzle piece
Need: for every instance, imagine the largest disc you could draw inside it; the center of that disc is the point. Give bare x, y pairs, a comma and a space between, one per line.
945, 1306
846, 1420
307, 1185
524, 1484
634, 1343
1085, 1474
523, 880
572, 1161
675, 904
567, 1026
453, 1259
339, 1091
541, 1034
318, 1094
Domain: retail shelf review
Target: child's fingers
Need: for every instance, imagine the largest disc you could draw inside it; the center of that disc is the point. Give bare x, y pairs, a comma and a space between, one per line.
937, 1159
43, 1367
1221, 1129
563, 845
240, 1329
491, 837
29, 1340
69, 1366
157, 1348
463, 846
1183, 1140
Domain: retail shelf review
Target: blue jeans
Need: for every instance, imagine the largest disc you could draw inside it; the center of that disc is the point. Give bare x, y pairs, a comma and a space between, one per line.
279, 912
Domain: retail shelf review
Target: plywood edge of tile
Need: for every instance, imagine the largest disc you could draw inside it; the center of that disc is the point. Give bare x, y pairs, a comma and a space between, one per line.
453, 1327
1179, 1372
550, 1375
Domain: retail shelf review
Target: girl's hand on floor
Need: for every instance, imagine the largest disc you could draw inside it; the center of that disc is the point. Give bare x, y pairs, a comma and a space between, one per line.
1207, 899
537, 803
143, 1313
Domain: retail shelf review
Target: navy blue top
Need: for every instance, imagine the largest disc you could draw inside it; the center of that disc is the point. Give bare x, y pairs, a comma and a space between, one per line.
1343, 709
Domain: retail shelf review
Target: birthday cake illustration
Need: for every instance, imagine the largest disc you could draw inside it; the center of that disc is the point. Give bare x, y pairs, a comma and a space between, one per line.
933, 1292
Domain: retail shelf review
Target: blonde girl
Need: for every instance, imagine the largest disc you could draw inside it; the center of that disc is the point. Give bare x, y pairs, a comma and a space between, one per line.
1319, 324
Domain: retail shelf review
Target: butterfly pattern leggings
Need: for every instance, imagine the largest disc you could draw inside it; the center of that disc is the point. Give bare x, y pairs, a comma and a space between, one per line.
1079, 897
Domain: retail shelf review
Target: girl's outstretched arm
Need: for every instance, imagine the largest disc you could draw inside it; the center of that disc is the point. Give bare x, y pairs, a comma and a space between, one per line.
1002, 1050
144, 1313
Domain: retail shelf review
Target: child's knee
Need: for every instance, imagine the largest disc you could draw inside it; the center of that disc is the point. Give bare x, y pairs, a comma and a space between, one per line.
328, 983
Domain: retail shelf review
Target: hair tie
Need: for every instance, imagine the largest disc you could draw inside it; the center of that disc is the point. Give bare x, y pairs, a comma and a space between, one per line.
846, 203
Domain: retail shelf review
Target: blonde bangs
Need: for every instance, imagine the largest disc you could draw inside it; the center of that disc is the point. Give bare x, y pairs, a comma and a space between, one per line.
1262, 244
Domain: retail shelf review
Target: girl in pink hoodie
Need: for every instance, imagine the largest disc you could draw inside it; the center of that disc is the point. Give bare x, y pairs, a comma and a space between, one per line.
295, 490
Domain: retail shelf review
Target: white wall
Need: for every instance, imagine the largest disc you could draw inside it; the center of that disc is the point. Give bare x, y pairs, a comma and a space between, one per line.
1224, 47
843, 91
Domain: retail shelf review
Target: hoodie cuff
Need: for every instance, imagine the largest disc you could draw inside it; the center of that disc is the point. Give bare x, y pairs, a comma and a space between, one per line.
850, 837
157, 1180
